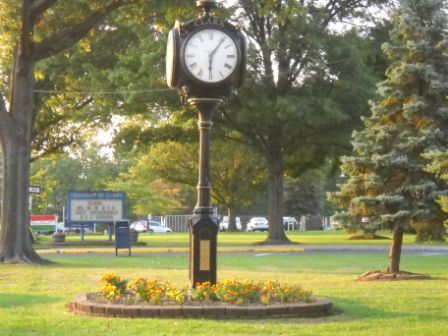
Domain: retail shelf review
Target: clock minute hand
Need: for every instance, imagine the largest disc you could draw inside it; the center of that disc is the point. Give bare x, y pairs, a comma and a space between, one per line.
210, 56
217, 47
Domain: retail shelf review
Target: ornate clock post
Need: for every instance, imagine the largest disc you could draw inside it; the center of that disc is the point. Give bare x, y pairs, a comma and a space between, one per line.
205, 60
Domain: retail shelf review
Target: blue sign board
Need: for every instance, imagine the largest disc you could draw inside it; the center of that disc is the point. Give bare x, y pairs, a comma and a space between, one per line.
122, 236
88, 207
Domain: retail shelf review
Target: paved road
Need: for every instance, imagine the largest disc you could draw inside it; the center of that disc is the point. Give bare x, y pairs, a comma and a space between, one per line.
413, 249
307, 249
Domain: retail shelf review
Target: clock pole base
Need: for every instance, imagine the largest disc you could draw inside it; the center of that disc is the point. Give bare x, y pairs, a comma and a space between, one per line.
203, 226
203, 229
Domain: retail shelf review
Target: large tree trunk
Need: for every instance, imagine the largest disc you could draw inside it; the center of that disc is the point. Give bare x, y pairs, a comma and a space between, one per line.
16, 135
15, 240
276, 233
16, 125
395, 251
232, 220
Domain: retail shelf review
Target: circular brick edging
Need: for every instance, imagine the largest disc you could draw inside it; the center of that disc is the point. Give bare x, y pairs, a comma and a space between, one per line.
318, 308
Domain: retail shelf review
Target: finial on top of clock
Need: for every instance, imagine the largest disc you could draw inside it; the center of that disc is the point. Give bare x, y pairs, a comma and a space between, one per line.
207, 5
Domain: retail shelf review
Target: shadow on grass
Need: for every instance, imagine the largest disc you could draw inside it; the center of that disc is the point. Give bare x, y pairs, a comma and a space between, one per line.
9, 300
355, 309
346, 310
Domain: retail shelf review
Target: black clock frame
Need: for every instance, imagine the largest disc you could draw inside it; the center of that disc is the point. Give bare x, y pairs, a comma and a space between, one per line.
181, 78
171, 79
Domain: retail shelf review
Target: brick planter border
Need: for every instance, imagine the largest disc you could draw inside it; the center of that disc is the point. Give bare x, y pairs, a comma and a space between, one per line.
318, 308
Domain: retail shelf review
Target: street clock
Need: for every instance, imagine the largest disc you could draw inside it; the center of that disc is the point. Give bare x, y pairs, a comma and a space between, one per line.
205, 61
205, 57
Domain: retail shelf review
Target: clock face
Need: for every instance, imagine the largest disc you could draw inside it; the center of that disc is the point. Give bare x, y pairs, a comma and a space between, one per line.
210, 55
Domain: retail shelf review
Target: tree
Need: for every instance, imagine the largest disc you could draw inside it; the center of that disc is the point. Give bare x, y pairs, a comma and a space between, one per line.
88, 169
109, 73
304, 195
236, 172
33, 34
386, 179
145, 191
305, 88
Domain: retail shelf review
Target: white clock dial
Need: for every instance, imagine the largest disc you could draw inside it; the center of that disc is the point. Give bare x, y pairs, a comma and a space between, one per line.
210, 55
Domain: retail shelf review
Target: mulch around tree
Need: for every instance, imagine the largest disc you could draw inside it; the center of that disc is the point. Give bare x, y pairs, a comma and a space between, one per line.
368, 237
392, 276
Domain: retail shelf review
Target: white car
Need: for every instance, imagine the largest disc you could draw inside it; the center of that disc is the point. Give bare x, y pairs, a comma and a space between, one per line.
224, 224
157, 227
139, 226
258, 224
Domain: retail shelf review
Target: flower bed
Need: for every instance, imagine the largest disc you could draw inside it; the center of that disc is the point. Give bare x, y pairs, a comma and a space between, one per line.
143, 297
154, 291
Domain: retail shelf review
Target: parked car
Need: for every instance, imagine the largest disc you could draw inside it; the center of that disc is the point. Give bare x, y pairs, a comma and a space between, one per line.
157, 227
258, 224
139, 226
71, 230
224, 224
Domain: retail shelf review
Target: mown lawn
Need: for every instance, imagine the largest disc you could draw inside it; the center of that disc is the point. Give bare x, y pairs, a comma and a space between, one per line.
33, 298
241, 239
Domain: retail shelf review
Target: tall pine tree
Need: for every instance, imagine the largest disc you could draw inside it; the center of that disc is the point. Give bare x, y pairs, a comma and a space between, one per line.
386, 181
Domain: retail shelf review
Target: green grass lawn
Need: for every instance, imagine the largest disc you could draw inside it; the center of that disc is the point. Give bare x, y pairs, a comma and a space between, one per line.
33, 298
241, 239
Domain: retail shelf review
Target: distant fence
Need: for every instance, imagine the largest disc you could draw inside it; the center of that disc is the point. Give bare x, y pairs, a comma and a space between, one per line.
178, 223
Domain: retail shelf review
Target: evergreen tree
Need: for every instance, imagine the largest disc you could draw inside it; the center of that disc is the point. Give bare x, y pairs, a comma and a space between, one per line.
387, 183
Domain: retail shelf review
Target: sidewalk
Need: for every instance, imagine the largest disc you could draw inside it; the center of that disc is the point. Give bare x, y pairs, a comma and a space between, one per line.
418, 249
149, 250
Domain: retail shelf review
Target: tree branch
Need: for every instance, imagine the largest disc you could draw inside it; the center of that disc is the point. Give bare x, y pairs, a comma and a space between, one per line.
250, 133
25, 44
335, 8
54, 148
41, 6
298, 66
68, 37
